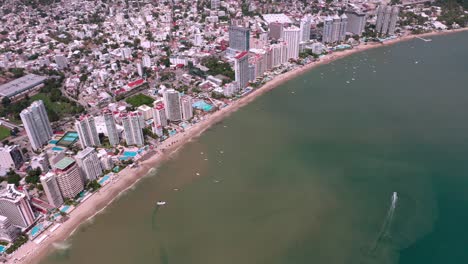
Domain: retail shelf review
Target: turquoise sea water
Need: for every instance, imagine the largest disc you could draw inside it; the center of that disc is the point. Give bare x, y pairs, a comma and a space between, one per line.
306, 173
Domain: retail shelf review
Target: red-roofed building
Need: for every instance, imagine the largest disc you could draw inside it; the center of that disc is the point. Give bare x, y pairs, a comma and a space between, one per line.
135, 83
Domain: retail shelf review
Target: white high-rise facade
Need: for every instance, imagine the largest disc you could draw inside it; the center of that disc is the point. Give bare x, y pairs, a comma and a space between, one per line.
292, 36
15, 205
8, 232
36, 124
239, 38
112, 132
327, 30
52, 189
172, 105
187, 108
11, 157
159, 114
133, 129
356, 22
305, 24
343, 27
334, 29
87, 132
89, 164
241, 70
279, 54
387, 17
69, 178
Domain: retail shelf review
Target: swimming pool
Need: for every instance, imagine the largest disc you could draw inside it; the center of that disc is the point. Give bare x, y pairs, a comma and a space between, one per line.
65, 208
53, 142
36, 230
130, 154
68, 139
57, 149
2, 249
104, 179
202, 105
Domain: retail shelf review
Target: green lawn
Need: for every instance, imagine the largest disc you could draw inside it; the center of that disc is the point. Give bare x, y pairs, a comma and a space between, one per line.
140, 99
57, 109
4, 132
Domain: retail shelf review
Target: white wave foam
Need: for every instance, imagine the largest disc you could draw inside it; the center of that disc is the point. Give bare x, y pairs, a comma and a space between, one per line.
61, 245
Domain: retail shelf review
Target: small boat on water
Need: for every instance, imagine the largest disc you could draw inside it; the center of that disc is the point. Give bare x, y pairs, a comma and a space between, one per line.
160, 203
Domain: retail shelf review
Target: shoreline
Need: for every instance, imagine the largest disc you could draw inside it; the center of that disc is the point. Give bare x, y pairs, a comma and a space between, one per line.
129, 177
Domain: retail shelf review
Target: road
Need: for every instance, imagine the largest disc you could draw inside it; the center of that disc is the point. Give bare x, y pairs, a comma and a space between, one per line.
9, 125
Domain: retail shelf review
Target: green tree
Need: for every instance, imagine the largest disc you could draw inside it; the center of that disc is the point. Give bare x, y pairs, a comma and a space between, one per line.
13, 177
33, 176
6, 101
93, 186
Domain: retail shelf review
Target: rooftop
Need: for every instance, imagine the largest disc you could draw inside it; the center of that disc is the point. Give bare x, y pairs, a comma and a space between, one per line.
240, 55
85, 152
279, 18
21, 84
11, 193
64, 163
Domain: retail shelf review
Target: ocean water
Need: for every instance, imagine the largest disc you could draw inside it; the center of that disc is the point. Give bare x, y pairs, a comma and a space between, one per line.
307, 173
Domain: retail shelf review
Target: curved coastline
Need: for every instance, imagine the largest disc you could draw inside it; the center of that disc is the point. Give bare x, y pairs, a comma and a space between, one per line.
130, 176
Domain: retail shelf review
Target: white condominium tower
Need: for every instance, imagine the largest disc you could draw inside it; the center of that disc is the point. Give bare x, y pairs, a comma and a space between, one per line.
356, 22
112, 132
306, 22
37, 124
239, 38
159, 114
8, 232
343, 27
69, 178
89, 164
11, 157
387, 17
87, 131
172, 104
15, 205
292, 37
132, 123
187, 108
52, 189
241, 70
327, 30
334, 29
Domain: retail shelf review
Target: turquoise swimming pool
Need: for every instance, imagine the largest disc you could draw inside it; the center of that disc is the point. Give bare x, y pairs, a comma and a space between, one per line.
65, 208
36, 230
57, 149
2, 249
53, 142
104, 179
202, 105
130, 154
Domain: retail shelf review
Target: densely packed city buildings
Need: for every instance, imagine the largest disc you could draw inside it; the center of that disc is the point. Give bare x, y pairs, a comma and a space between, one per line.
99, 83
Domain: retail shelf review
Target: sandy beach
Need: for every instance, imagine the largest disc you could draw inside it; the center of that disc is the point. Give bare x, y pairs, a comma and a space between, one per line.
33, 253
